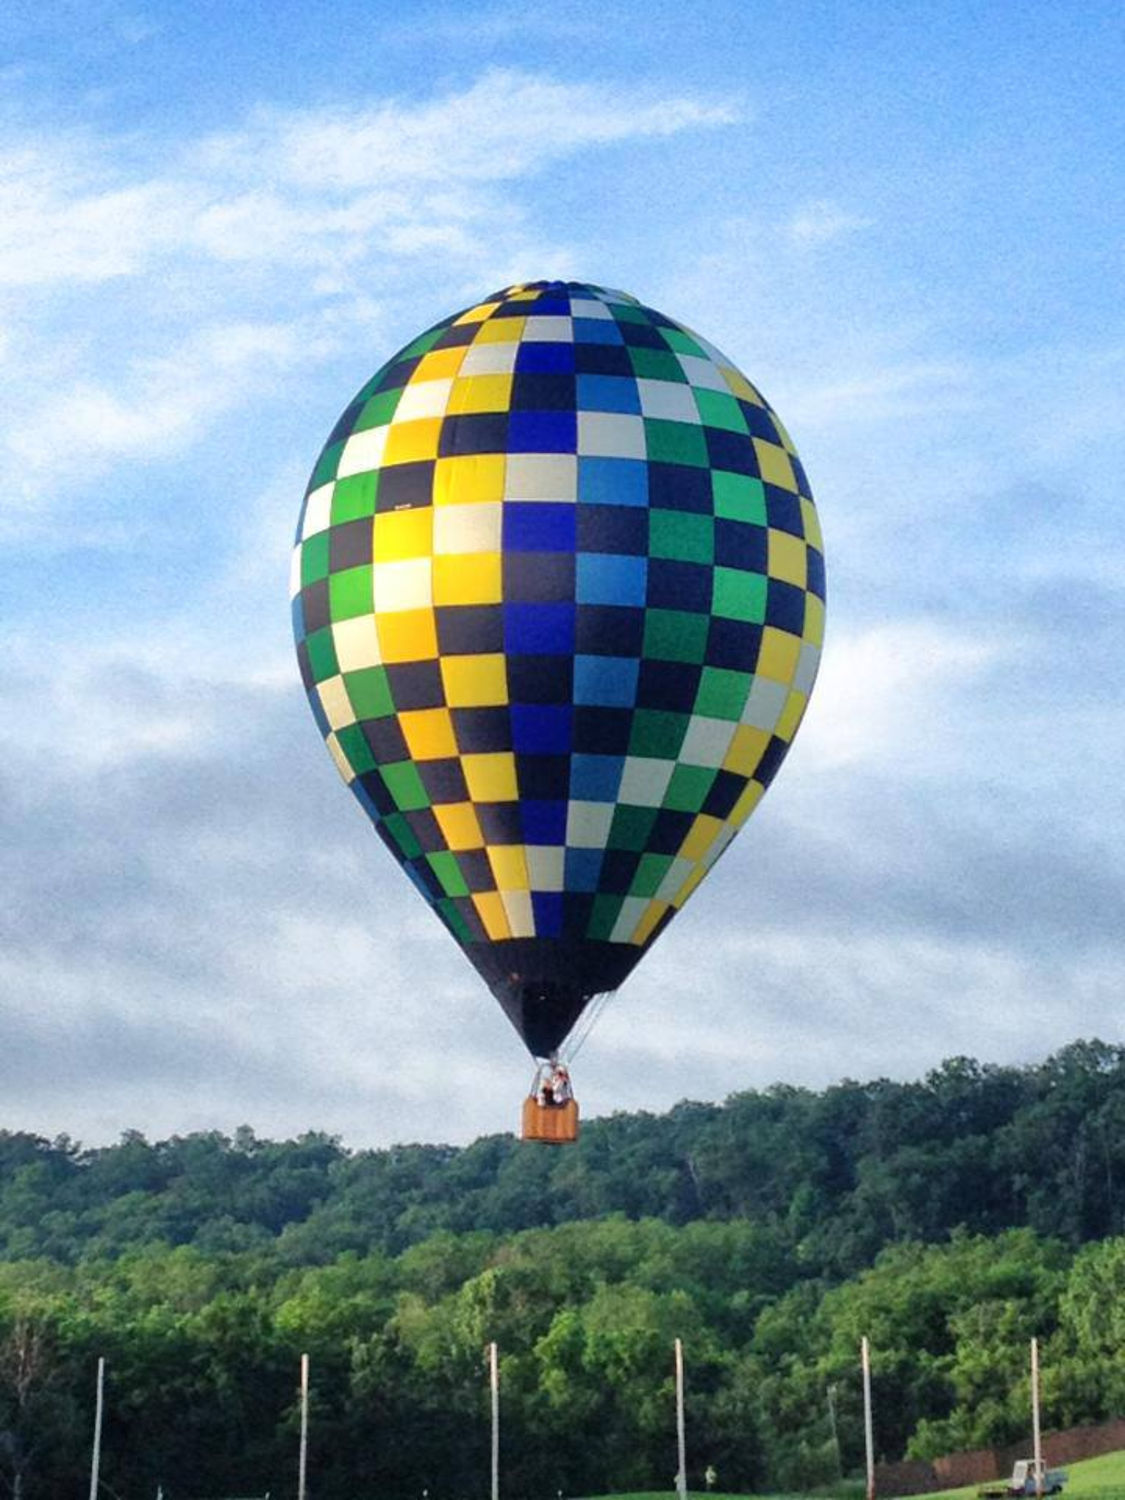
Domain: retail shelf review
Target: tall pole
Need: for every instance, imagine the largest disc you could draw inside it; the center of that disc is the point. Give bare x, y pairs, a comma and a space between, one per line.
303, 1458
868, 1426
96, 1456
494, 1386
681, 1471
1036, 1440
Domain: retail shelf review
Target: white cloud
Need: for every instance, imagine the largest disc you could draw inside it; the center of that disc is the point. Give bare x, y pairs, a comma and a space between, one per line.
819, 222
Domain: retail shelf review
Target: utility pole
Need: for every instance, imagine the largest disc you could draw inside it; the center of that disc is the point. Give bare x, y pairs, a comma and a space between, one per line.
303, 1456
96, 1456
494, 1386
1036, 1439
868, 1426
681, 1472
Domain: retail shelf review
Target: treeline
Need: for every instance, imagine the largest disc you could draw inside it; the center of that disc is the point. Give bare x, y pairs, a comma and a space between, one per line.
837, 1175
948, 1220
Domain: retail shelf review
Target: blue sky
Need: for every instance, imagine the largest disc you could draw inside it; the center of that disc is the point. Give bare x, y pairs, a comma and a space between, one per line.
904, 222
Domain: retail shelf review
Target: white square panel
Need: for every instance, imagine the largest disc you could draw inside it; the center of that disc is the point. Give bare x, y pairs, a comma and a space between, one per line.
587, 824
403, 585
632, 910
428, 398
517, 905
765, 704
588, 307
721, 841
474, 527
554, 329
545, 866
702, 373
335, 702
645, 780
674, 877
363, 452
706, 742
539, 476
356, 643
489, 359
318, 511
610, 434
668, 400
343, 765
807, 663
295, 571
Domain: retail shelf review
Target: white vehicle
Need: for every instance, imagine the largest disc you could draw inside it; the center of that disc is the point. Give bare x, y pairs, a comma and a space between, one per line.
1024, 1482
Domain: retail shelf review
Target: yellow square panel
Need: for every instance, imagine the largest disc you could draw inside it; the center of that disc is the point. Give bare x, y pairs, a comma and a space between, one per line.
689, 885
791, 715
477, 314
788, 558
474, 477
773, 463
402, 585
814, 620
643, 930
509, 867
401, 534
490, 909
472, 579
501, 331
746, 750
480, 393
491, 777
811, 522
410, 442
778, 655
439, 364
701, 835
468, 528
428, 733
459, 825
479, 681
746, 803
783, 435
409, 636
739, 385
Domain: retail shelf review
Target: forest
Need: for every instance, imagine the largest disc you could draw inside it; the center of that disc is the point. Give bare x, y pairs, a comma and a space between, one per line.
948, 1219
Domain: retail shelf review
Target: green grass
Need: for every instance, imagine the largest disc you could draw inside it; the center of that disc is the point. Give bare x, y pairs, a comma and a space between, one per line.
1091, 1476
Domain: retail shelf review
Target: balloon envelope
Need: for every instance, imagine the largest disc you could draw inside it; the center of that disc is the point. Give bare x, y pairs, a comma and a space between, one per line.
558, 599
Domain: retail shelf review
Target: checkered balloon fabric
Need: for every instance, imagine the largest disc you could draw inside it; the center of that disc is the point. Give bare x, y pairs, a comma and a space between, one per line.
558, 595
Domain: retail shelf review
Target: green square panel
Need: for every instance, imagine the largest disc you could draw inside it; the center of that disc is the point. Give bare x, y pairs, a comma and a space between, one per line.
405, 786
657, 732
682, 342
423, 343
675, 634
370, 693
354, 498
631, 312
326, 466
403, 835
657, 364
722, 693
738, 497
681, 535
631, 827
605, 912
358, 752
314, 559
350, 593
322, 654
688, 788
650, 872
719, 410
378, 410
675, 443
739, 595
454, 920
448, 871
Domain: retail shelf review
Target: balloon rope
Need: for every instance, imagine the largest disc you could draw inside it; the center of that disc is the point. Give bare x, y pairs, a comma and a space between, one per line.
593, 1016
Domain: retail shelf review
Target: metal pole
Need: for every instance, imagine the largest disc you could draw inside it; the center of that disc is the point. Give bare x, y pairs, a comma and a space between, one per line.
302, 1461
868, 1426
96, 1457
681, 1472
494, 1385
1037, 1445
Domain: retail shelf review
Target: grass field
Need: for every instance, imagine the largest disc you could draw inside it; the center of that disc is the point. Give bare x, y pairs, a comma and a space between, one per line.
1100, 1478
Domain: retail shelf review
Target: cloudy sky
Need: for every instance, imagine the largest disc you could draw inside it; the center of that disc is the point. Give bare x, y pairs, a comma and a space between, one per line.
905, 221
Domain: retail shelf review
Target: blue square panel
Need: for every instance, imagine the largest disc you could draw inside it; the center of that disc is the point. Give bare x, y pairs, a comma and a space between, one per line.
595, 778
538, 629
606, 681
543, 432
547, 909
613, 481
543, 822
541, 728
539, 526
582, 868
611, 578
608, 393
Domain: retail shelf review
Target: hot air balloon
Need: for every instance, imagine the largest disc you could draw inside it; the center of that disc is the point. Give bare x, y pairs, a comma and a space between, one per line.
558, 597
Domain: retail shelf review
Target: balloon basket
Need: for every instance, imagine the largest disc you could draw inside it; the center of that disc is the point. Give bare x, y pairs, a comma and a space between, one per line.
553, 1124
